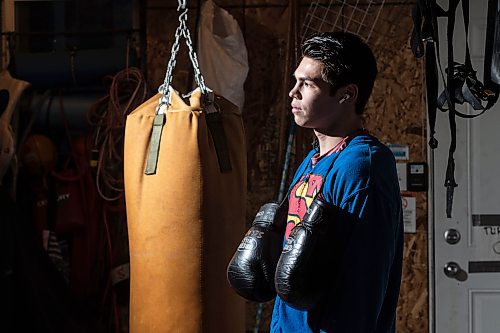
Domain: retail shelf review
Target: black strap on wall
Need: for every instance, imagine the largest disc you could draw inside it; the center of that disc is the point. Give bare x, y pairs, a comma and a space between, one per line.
431, 82
450, 182
461, 84
468, 89
425, 29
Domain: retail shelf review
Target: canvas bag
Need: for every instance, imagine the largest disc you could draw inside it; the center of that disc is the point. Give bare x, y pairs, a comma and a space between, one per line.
185, 190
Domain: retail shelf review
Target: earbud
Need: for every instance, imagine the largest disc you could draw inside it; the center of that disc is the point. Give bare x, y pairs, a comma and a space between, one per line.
345, 98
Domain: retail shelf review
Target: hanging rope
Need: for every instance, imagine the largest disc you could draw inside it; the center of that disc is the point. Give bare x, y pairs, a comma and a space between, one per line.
108, 116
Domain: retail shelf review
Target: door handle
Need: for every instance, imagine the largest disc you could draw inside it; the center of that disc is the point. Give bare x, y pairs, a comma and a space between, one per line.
454, 271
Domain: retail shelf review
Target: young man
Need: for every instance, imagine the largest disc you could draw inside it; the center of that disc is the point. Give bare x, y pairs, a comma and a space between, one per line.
350, 283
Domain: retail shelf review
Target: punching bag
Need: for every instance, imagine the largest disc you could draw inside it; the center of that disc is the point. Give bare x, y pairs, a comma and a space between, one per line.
185, 192
186, 219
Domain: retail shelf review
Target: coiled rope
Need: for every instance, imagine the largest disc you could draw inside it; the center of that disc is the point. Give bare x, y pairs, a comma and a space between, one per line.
108, 116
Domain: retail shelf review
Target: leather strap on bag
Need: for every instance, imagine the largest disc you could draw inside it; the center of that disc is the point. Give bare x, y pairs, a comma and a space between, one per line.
216, 128
154, 144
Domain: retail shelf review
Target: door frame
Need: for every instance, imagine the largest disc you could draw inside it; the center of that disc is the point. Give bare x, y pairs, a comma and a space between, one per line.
430, 238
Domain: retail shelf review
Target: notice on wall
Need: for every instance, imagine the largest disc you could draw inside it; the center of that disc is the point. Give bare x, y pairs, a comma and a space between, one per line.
401, 152
409, 214
401, 170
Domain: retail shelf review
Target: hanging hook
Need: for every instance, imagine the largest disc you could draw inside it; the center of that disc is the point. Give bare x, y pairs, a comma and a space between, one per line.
182, 5
183, 16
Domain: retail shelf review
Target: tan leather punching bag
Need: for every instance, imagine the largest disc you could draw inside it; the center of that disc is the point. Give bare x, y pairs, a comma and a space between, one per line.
185, 219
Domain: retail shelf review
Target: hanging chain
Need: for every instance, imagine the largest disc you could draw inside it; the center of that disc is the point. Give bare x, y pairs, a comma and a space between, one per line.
181, 30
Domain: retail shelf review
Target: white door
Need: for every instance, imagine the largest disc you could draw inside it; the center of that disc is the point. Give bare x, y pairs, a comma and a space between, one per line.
467, 298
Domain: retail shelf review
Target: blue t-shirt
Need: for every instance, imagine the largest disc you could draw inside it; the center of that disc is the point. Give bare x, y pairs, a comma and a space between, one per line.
363, 268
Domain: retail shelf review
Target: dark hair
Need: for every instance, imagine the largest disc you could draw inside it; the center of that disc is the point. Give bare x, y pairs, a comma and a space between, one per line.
347, 59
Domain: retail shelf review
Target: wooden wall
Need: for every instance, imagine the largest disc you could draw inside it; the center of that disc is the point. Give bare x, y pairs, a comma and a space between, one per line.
395, 113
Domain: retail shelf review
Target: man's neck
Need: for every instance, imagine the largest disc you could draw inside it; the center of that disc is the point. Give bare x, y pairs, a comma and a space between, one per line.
328, 141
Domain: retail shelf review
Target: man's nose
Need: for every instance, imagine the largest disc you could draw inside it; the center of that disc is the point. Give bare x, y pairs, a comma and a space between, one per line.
294, 93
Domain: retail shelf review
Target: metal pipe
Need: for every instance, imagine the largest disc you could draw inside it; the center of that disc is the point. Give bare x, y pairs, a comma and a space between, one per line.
266, 5
70, 33
430, 242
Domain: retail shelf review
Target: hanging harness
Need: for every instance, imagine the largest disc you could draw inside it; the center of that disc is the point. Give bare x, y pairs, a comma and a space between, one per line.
461, 83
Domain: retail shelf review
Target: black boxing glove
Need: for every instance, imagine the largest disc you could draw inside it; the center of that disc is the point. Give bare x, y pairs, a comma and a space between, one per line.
251, 270
299, 278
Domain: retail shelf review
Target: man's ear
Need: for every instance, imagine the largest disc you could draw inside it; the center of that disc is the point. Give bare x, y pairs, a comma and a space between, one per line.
348, 93
345, 98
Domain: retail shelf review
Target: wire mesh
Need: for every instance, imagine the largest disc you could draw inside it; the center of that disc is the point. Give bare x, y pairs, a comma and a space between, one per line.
362, 18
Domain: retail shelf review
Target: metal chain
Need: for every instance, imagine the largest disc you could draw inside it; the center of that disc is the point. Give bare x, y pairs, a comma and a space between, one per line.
164, 88
194, 60
183, 30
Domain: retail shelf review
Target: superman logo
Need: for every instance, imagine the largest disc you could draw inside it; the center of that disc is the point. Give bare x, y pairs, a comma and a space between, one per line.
301, 197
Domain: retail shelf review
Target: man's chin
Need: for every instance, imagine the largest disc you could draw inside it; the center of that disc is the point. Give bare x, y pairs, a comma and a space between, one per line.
302, 123
299, 121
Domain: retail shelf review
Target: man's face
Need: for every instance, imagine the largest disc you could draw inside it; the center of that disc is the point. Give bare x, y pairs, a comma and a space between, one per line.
312, 105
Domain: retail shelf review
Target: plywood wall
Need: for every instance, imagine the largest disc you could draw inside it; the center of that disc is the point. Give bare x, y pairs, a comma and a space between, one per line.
395, 114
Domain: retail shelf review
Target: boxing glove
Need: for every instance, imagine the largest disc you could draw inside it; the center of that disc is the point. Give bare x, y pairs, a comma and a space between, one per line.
299, 278
251, 269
